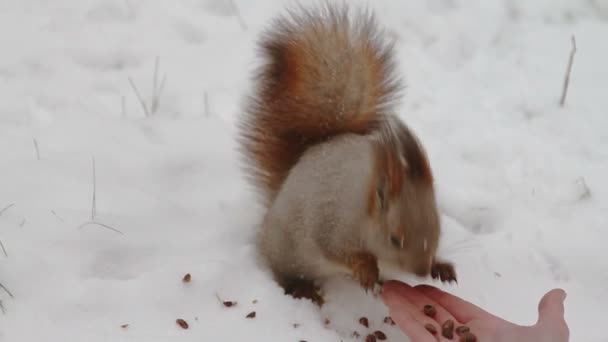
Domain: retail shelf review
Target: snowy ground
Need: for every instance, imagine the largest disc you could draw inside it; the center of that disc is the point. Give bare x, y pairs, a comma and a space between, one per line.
522, 181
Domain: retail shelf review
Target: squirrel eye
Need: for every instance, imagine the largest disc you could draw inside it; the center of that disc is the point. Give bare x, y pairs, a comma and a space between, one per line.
396, 242
381, 197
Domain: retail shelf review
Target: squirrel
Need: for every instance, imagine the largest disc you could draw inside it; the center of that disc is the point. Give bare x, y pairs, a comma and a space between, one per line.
346, 185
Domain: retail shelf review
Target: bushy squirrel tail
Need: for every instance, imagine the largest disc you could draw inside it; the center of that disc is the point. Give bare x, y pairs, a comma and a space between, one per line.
323, 73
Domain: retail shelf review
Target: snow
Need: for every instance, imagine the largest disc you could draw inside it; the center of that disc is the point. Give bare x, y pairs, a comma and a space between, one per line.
521, 180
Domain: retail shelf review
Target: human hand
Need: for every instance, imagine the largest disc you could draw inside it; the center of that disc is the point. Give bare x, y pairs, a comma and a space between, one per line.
405, 305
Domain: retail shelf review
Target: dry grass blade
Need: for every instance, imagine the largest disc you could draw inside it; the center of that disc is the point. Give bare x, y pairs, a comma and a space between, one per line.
93, 202
568, 71
6, 290
123, 106
238, 15
101, 225
206, 103
139, 98
37, 149
57, 216
3, 249
157, 89
6, 208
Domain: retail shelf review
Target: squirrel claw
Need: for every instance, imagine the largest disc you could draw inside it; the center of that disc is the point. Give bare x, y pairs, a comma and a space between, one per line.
365, 270
444, 271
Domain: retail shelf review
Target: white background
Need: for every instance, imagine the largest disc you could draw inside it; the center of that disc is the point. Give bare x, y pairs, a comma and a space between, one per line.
522, 181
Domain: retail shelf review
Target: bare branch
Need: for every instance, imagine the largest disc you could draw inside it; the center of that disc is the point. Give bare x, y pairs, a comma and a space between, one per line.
568, 71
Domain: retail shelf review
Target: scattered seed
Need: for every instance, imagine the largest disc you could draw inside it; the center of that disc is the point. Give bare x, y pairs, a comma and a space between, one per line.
364, 322
461, 330
327, 321
182, 323
429, 310
124, 326
370, 338
380, 335
229, 303
251, 314
447, 329
389, 320
296, 325
468, 337
187, 278
431, 328
255, 301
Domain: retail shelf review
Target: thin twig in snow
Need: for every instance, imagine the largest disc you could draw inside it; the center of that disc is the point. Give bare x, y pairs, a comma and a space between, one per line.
568, 71
2, 307
206, 100
155, 81
3, 249
37, 150
6, 208
139, 98
238, 15
100, 224
129, 8
6, 290
586, 193
156, 90
93, 201
57, 216
123, 106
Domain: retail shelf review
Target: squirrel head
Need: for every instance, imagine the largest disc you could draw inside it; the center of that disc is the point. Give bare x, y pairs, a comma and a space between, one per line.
402, 201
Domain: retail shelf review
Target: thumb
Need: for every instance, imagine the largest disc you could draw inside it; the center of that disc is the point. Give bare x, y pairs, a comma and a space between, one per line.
551, 307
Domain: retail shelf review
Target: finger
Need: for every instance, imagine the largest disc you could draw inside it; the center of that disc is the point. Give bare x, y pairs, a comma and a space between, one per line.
419, 300
399, 305
551, 306
462, 310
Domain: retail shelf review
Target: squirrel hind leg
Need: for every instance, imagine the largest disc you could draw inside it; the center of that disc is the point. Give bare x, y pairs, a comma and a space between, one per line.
301, 288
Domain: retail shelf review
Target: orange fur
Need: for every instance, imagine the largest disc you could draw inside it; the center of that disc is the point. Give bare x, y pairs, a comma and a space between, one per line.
399, 157
317, 80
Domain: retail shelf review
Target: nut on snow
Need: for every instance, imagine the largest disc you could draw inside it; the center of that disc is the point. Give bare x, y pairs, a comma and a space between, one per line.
182, 323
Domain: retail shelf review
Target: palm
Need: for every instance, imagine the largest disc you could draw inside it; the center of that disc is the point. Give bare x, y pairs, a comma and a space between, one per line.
405, 304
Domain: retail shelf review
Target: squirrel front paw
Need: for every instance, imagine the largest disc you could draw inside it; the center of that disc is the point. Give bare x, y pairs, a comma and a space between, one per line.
444, 271
364, 266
